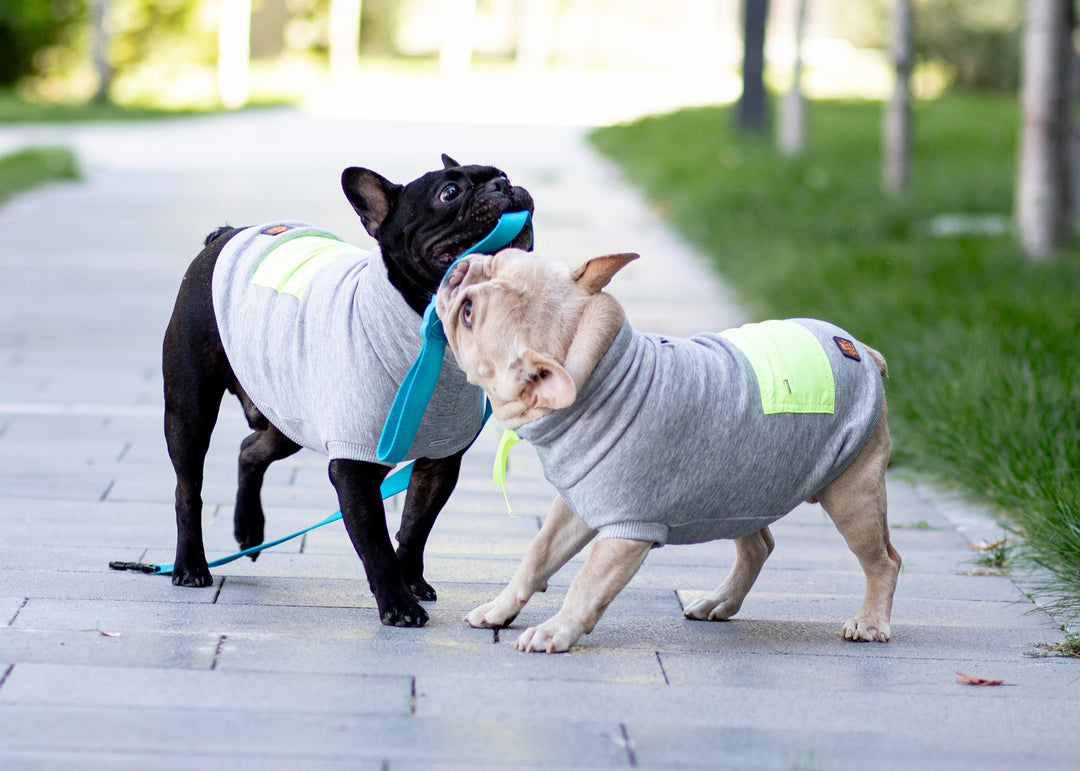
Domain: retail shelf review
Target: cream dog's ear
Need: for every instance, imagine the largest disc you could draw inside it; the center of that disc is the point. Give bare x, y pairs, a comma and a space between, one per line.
595, 274
544, 382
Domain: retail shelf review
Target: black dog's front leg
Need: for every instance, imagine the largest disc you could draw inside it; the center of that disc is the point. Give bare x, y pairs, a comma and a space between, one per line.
357, 484
430, 486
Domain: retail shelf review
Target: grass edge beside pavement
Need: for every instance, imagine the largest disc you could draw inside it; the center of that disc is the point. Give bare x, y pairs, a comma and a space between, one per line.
32, 166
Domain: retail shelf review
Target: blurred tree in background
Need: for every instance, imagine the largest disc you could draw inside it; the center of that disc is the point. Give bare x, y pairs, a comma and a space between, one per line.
30, 27
977, 41
148, 31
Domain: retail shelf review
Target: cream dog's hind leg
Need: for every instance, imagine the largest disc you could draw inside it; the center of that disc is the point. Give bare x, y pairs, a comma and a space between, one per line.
562, 535
751, 551
610, 566
856, 503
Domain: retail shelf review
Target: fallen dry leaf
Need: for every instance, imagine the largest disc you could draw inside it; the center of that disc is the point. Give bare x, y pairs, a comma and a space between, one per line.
969, 680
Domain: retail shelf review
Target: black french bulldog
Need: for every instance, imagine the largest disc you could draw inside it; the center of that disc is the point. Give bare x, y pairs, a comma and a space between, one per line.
420, 228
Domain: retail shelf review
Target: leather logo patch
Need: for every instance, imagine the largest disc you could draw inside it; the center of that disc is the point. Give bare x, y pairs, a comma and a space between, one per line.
275, 230
847, 348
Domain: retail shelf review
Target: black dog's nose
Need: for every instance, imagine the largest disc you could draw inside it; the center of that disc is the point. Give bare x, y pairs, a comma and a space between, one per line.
501, 184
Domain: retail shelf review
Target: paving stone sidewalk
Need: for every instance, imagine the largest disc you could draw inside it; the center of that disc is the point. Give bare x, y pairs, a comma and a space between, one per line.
283, 664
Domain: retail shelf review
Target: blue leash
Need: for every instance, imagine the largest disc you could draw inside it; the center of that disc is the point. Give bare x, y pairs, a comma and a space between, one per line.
408, 408
413, 396
392, 485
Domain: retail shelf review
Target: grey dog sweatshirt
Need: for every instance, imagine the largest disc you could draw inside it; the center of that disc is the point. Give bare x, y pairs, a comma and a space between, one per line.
715, 436
320, 340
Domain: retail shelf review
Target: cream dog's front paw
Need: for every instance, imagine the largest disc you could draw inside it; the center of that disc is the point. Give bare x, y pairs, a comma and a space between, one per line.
555, 635
866, 630
714, 607
497, 613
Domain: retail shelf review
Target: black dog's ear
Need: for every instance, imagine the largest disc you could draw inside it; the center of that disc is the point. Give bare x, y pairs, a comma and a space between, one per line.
448, 162
372, 196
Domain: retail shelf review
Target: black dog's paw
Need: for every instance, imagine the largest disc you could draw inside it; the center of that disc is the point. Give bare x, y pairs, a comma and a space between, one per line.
249, 528
194, 577
421, 589
402, 613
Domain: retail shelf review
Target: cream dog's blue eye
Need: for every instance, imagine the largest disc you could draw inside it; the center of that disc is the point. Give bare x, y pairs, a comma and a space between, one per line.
448, 193
466, 313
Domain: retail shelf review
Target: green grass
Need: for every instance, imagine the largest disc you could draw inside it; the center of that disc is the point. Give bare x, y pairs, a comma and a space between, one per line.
33, 166
15, 109
984, 392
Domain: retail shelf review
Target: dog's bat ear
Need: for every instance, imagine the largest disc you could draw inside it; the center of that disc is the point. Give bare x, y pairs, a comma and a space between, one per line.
448, 162
595, 274
544, 382
372, 196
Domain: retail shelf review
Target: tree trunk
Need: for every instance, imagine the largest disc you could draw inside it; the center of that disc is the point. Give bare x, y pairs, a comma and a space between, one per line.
535, 31
344, 40
234, 52
1044, 188
455, 53
99, 12
752, 107
792, 133
896, 170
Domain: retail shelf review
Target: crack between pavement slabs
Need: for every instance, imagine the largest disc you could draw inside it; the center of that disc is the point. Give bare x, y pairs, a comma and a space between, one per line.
217, 652
663, 671
629, 744
18, 611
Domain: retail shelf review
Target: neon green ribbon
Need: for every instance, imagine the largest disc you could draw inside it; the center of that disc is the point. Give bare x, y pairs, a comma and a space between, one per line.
502, 457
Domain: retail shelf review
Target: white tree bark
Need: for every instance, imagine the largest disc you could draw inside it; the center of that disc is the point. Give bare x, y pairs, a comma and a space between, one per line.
344, 40
792, 130
234, 52
1044, 187
455, 53
535, 34
897, 129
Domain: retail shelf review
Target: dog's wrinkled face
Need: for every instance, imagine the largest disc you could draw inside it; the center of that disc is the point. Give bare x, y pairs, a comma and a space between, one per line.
422, 227
511, 320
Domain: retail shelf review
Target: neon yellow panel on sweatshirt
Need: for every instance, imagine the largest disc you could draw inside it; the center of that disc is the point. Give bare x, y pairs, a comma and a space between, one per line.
289, 266
792, 369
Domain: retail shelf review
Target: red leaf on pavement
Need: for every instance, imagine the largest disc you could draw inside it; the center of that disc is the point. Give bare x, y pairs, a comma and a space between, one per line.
969, 680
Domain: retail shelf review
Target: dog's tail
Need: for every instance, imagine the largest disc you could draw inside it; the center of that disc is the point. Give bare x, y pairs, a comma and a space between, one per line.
879, 360
218, 233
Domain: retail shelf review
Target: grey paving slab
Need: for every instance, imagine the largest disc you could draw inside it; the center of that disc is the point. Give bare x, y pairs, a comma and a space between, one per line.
99, 646
223, 760
933, 674
282, 662
142, 688
314, 735
469, 654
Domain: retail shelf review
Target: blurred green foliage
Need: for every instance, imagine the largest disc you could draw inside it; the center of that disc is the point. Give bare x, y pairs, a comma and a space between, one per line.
28, 27
977, 40
34, 166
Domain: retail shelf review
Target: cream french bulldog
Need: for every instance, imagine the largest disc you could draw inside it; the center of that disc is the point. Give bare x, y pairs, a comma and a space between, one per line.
652, 440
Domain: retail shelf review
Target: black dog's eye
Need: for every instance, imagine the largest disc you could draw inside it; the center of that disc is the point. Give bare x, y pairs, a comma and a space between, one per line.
449, 193
466, 314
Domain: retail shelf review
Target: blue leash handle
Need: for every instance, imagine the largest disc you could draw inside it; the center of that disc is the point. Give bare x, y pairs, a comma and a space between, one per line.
412, 397
392, 485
